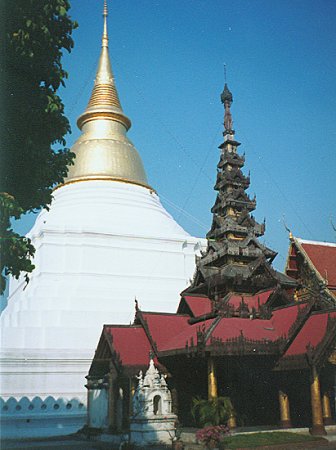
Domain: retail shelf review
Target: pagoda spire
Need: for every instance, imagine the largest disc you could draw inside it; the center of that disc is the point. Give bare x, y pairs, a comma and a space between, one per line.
232, 219
227, 99
104, 101
103, 150
105, 35
235, 260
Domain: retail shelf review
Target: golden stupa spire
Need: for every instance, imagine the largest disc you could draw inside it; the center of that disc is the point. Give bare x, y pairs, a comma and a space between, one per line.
103, 150
104, 100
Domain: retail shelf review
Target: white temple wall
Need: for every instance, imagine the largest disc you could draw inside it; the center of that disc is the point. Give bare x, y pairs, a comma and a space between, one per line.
101, 245
36, 417
45, 377
112, 271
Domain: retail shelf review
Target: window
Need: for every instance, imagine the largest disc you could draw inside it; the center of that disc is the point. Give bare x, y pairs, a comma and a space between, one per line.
157, 404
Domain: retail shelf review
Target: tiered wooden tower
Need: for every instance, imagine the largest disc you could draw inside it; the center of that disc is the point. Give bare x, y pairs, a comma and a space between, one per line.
235, 260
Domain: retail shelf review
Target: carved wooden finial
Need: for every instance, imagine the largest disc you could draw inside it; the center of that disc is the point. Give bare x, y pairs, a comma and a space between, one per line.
227, 99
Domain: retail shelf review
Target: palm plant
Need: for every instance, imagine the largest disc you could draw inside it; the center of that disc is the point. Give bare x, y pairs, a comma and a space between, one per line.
215, 411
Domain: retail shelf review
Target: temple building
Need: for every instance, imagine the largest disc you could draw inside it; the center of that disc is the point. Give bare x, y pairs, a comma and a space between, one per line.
105, 240
243, 330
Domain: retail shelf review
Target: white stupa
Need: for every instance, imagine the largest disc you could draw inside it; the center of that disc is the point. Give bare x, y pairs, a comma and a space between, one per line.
105, 240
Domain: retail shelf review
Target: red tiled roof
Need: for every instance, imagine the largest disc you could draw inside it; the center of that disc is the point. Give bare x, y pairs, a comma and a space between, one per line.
131, 343
198, 305
311, 333
187, 335
276, 327
323, 257
283, 318
163, 326
251, 300
233, 327
228, 328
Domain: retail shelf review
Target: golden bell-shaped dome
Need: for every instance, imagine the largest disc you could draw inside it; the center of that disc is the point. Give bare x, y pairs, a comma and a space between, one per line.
103, 151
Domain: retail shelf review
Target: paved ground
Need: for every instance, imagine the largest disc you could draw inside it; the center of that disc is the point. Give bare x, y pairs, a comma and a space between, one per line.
84, 445
53, 444
78, 442
67, 443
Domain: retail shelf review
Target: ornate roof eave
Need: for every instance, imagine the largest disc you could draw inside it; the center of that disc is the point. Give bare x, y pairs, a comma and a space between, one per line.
229, 141
231, 158
139, 318
279, 277
295, 241
314, 356
302, 316
279, 292
239, 346
105, 357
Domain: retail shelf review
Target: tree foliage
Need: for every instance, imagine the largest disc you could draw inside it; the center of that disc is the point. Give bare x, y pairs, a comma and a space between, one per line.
16, 249
34, 35
215, 411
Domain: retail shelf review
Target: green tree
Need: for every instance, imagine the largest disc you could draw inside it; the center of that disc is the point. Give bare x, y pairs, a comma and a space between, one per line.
34, 35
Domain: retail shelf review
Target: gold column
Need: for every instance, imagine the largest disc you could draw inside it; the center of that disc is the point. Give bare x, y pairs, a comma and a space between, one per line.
212, 379
285, 419
232, 422
327, 416
316, 404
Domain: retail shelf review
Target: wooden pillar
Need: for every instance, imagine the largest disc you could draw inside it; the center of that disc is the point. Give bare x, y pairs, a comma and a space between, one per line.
285, 419
174, 395
326, 409
88, 400
131, 395
316, 404
111, 402
212, 379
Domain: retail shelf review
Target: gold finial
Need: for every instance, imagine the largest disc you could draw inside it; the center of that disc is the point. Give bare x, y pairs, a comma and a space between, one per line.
105, 35
104, 98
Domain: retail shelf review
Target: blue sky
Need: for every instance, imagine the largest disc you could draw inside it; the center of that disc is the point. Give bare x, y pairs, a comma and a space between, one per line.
168, 59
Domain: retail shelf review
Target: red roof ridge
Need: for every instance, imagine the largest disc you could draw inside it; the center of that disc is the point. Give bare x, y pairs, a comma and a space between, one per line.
289, 305
303, 315
212, 328
119, 325
158, 313
250, 294
196, 294
306, 241
323, 311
